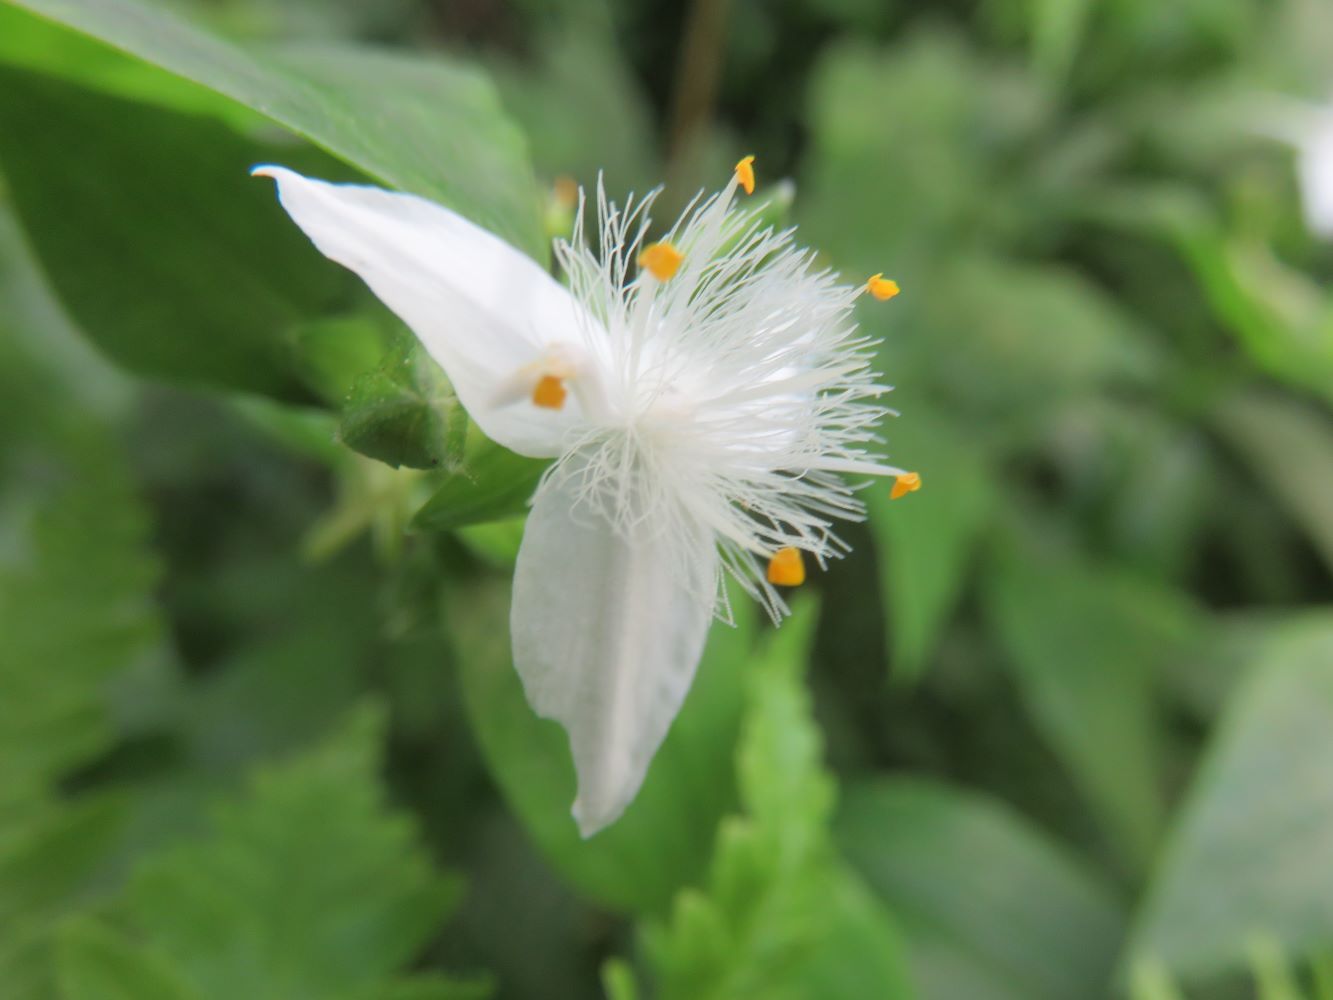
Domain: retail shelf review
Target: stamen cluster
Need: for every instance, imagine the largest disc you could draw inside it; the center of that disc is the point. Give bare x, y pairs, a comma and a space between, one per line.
733, 392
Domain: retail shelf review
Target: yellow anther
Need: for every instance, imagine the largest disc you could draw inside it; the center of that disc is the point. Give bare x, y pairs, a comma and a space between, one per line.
549, 392
786, 568
662, 260
565, 191
908, 482
881, 287
745, 173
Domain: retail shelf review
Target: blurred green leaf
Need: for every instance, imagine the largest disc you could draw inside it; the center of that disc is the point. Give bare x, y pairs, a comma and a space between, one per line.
404, 412
333, 353
905, 146
38, 325
924, 541
76, 604
431, 987
175, 270
77, 618
1085, 645
1289, 447
1249, 853
491, 484
662, 841
991, 908
424, 125
1057, 29
750, 932
46, 863
96, 963
494, 542
308, 887
1027, 337
564, 98
1282, 318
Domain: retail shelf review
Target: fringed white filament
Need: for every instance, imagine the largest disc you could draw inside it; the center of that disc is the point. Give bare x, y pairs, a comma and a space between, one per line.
738, 393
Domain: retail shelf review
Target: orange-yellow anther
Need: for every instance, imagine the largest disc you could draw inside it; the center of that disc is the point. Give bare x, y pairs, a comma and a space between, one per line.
549, 392
745, 173
565, 191
908, 482
881, 287
786, 568
662, 260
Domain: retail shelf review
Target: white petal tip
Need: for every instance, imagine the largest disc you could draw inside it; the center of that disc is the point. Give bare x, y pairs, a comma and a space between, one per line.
267, 170
590, 823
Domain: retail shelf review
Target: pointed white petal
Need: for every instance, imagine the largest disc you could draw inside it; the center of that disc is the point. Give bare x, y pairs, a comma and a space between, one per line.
607, 634
481, 308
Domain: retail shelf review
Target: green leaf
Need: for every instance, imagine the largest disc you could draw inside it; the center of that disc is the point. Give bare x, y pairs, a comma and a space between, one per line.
1057, 29
938, 144
76, 601
424, 125
493, 483
580, 81
432, 988
308, 887
46, 863
1084, 646
334, 353
405, 412
1282, 319
1289, 447
924, 540
177, 269
1052, 333
96, 963
750, 932
663, 840
1248, 857
991, 908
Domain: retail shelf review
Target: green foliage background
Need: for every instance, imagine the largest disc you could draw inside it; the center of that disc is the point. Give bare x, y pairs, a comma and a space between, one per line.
1060, 728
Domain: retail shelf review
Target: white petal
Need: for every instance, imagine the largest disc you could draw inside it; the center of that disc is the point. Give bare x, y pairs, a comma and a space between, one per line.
481, 308
607, 634
1315, 169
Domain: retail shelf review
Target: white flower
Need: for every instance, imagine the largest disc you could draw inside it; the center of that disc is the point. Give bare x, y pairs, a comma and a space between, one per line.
703, 396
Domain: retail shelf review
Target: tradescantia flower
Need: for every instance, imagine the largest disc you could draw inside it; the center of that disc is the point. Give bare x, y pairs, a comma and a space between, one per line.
703, 397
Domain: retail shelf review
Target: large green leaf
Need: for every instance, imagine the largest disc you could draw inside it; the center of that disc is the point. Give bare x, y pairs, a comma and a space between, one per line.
425, 125
1084, 647
175, 268
663, 840
992, 908
1249, 857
